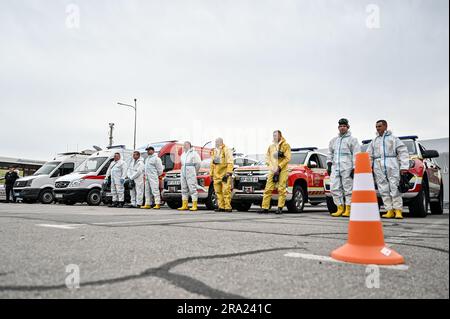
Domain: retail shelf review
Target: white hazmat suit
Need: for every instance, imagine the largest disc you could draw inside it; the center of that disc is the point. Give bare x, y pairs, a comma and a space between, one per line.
153, 170
136, 174
341, 153
389, 155
190, 165
118, 171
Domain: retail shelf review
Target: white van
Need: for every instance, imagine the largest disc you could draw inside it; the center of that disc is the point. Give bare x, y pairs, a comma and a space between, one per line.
40, 185
84, 185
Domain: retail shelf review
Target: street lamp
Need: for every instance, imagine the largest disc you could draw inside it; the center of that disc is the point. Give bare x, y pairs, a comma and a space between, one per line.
135, 118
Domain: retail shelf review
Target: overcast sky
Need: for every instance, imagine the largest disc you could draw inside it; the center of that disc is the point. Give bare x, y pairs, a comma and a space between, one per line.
200, 69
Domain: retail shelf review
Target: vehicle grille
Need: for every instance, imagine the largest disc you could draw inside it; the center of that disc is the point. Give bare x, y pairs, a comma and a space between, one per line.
61, 184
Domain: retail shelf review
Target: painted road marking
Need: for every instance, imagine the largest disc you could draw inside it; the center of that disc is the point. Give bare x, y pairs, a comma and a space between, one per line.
329, 259
68, 226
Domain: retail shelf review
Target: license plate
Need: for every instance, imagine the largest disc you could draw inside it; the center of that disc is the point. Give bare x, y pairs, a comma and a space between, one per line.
248, 190
173, 183
108, 195
172, 189
249, 179
58, 196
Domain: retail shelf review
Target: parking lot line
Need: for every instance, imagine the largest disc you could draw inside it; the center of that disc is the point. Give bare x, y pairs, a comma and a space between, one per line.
67, 226
329, 259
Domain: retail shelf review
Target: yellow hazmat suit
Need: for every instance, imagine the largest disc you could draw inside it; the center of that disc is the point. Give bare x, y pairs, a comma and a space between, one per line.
277, 158
222, 165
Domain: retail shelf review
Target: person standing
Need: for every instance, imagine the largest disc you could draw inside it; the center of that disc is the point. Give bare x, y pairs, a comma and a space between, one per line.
341, 165
117, 170
10, 178
136, 176
221, 171
278, 157
190, 165
390, 158
153, 172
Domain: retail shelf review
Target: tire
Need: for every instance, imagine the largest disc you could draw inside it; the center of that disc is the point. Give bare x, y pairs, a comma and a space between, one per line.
297, 203
437, 208
174, 204
211, 201
46, 197
94, 198
419, 205
242, 207
332, 208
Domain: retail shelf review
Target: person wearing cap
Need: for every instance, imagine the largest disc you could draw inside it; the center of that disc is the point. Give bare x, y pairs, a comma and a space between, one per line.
341, 164
117, 170
136, 175
190, 165
221, 171
277, 158
390, 159
153, 173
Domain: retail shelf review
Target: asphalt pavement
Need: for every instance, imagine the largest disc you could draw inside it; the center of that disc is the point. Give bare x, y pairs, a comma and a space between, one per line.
58, 251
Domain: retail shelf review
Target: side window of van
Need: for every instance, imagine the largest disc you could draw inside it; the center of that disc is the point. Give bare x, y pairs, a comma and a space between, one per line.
105, 168
66, 168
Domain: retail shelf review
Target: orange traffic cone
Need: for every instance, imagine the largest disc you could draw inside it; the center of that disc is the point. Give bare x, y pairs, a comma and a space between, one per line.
365, 243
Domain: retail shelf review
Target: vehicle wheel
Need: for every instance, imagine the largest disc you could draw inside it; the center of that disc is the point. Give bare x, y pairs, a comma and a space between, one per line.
94, 198
242, 207
174, 204
46, 196
297, 203
437, 208
332, 208
419, 205
211, 201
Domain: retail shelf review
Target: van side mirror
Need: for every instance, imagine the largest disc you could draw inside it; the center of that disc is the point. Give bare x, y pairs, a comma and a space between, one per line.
430, 154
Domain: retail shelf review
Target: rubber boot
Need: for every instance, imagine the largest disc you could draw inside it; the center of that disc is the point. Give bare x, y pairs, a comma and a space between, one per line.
113, 204
339, 211
390, 214
398, 214
185, 205
146, 207
347, 211
157, 206
194, 206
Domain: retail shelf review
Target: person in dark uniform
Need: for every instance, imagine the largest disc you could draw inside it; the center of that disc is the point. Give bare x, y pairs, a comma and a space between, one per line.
10, 178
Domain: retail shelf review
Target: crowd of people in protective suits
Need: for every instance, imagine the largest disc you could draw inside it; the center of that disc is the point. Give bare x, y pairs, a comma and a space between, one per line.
389, 156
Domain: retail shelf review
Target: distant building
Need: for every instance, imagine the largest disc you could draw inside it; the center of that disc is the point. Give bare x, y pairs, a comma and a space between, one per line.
26, 166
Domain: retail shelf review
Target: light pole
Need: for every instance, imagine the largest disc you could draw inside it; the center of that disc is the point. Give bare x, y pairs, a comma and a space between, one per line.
135, 118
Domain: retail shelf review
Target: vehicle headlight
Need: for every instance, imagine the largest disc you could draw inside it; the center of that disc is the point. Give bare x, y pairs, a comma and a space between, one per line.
76, 183
29, 183
203, 173
412, 163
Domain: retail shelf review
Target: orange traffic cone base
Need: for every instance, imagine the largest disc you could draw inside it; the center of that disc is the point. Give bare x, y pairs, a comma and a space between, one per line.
376, 255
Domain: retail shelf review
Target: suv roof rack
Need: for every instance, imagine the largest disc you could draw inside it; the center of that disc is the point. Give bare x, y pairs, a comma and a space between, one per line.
299, 149
409, 137
116, 146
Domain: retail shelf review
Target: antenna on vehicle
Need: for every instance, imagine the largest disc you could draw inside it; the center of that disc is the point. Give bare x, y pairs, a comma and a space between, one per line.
111, 129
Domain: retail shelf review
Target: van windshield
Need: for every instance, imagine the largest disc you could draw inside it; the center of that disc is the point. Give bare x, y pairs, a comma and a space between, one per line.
91, 165
47, 168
